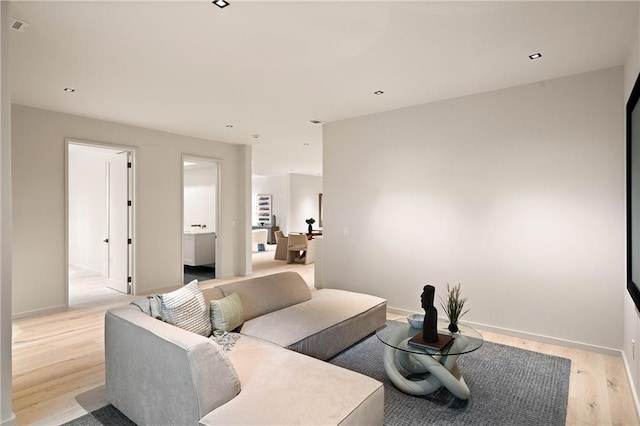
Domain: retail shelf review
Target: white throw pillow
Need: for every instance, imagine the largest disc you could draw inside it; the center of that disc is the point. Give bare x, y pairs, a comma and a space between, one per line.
186, 308
226, 314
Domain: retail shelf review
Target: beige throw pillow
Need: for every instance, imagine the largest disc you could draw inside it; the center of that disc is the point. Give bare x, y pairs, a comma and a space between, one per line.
226, 314
187, 309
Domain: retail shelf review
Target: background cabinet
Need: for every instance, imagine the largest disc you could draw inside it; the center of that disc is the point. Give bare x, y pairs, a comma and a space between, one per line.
199, 249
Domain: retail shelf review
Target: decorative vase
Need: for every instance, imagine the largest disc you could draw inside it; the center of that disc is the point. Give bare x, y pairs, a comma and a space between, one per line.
453, 327
430, 325
310, 228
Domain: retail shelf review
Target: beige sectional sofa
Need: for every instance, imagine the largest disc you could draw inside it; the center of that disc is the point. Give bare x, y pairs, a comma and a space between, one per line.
157, 373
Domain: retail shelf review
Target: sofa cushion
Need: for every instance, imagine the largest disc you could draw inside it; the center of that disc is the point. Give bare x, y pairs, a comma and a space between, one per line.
327, 307
282, 387
186, 308
226, 314
333, 340
269, 293
291, 326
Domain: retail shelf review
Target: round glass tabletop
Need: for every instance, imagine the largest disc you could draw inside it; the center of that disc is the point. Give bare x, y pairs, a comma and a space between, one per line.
394, 332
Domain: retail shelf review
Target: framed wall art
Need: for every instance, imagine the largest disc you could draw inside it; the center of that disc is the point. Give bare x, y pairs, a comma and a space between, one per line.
263, 209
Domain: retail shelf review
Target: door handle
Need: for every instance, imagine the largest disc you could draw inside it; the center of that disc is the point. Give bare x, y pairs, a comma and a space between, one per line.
106, 240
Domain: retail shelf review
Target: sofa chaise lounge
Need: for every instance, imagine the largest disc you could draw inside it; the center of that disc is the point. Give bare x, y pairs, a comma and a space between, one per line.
273, 373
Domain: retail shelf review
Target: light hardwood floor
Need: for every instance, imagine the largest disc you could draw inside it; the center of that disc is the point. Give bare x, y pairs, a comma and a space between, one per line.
58, 360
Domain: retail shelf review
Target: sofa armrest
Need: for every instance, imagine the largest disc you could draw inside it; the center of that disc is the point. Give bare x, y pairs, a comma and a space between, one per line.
157, 373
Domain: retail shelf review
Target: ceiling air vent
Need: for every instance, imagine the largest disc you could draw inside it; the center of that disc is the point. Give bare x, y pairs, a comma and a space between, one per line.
18, 25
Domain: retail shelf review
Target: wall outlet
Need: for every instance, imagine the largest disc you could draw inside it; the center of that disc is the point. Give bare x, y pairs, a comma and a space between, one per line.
345, 231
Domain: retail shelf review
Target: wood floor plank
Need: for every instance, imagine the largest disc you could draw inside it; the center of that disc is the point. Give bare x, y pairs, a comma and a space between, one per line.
593, 404
58, 359
619, 392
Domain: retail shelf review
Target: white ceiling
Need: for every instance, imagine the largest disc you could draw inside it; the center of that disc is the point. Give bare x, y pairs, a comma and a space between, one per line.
268, 67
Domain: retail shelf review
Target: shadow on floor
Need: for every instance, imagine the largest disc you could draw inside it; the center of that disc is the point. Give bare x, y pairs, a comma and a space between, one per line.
200, 273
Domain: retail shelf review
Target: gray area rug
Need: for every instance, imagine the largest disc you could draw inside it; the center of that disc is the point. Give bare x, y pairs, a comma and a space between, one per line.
108, 415
509, 386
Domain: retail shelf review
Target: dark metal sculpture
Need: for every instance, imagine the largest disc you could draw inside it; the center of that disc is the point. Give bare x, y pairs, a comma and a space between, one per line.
430, 325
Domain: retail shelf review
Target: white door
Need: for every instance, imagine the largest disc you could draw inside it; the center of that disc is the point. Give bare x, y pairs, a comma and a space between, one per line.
118, 223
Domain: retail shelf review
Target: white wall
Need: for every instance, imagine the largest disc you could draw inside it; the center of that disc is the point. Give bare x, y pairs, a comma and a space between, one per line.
278, 187
6, 415
631, 315
517, 194
200, 197
304, 201
243, 201
294, 199
39, 204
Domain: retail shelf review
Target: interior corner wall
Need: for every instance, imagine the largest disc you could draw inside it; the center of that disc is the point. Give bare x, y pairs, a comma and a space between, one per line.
278, 187
38, 162
294, 199
244, 259
199, 197
517, 194
7, 417
303, 201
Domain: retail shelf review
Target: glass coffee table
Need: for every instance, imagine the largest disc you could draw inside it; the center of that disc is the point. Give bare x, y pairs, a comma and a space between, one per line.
441, 364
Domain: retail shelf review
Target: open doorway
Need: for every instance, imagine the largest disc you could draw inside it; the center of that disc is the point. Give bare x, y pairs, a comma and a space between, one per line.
99, 222
200, 213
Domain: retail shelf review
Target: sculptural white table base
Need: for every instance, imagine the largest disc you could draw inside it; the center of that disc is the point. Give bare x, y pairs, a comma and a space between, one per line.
443, 369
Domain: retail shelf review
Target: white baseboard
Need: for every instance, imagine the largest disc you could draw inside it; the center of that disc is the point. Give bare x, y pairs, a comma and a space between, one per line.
10, 421
530, 336
636, 401
39, 312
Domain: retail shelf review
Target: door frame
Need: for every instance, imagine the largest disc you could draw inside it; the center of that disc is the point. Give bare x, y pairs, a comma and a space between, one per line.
218, 231
132, 210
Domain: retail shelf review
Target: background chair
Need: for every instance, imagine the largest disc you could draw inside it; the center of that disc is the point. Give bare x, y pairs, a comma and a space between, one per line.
282, 243
299, 249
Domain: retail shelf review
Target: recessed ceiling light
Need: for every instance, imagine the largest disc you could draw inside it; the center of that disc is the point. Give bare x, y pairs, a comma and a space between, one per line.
221, 3
306, 144
229, 126
378, 92
315, 122
535, 56
255, 136
69, 89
